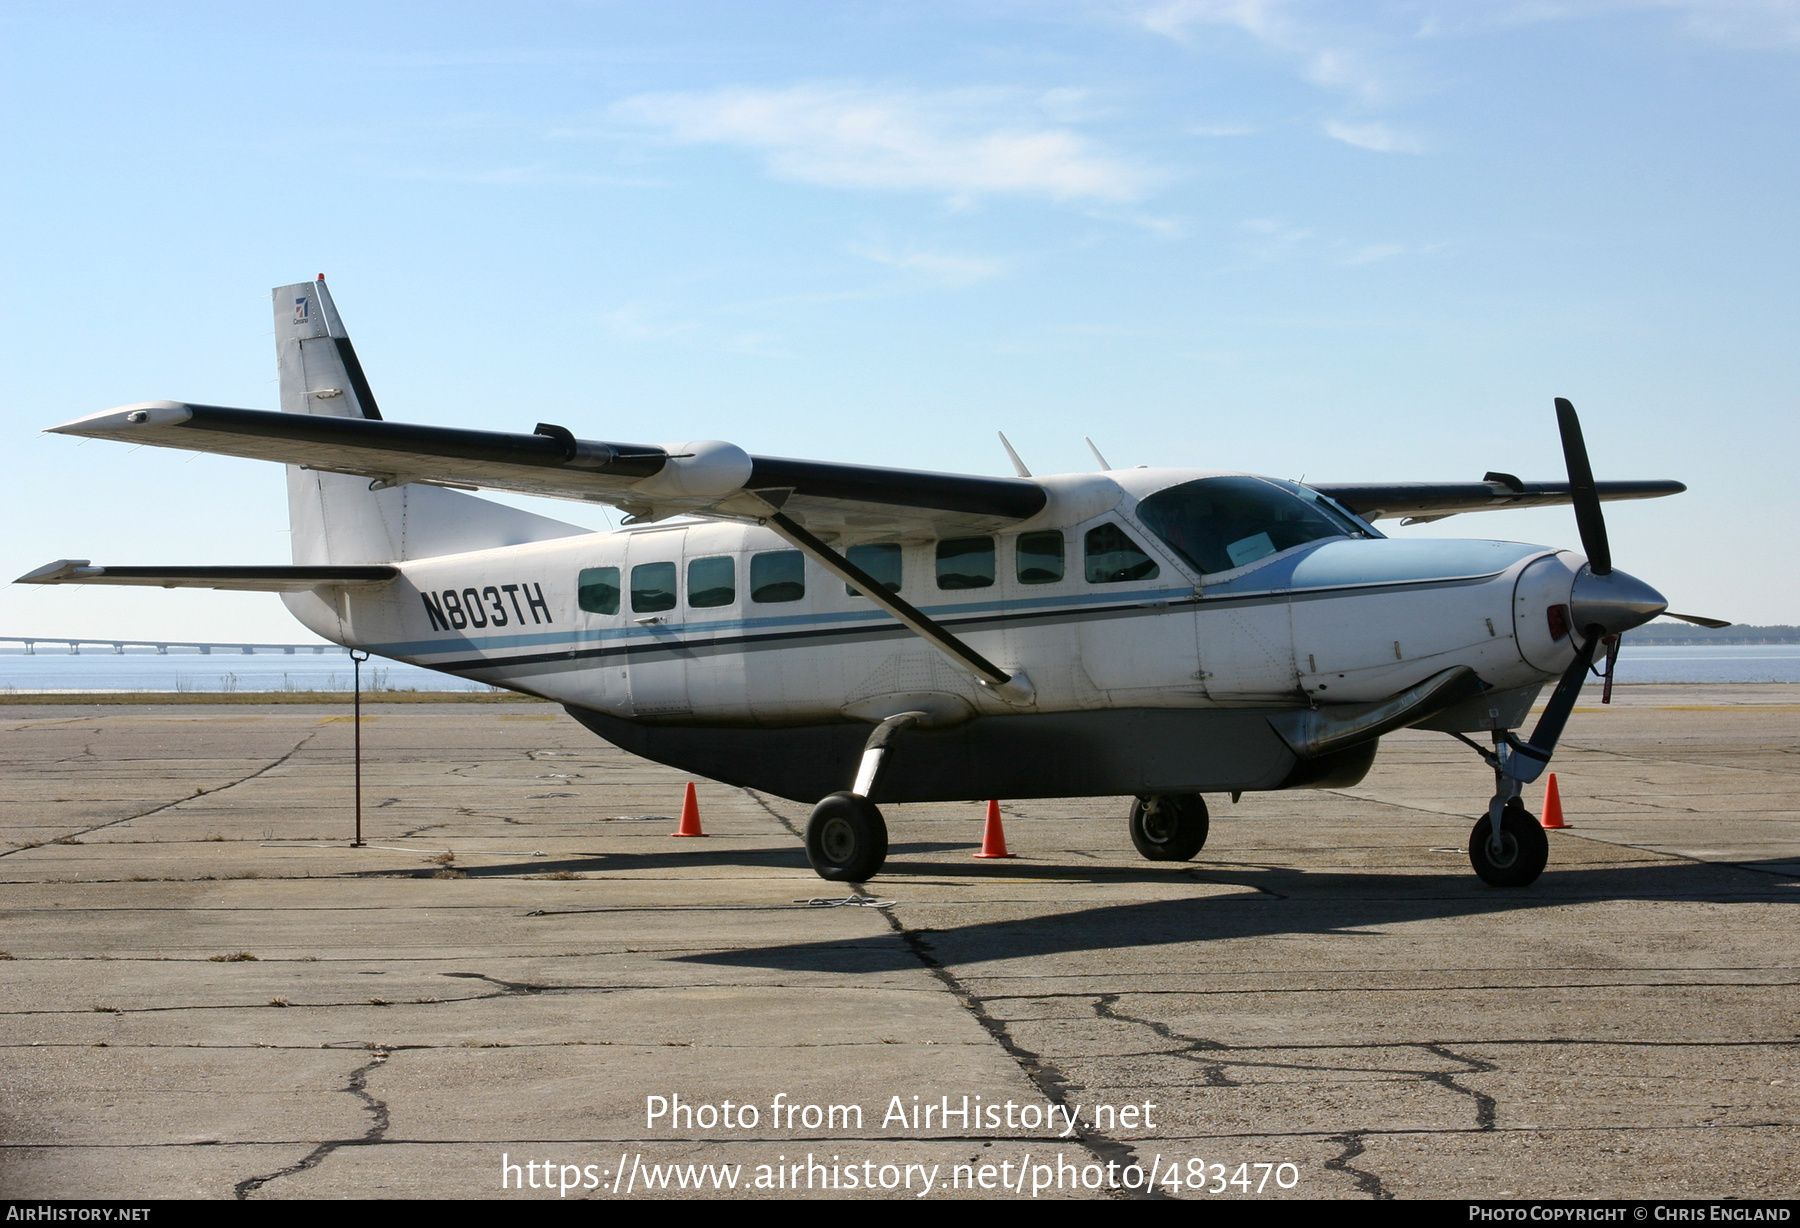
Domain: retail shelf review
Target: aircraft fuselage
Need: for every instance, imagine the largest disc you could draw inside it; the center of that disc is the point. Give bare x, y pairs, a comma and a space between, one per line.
711, 625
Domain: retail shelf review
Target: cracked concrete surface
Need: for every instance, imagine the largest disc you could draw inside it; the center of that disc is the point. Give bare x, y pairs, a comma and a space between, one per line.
206, 992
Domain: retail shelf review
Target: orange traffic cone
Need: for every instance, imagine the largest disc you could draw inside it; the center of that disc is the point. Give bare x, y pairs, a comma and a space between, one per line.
690, 815
1553, 817
993, 837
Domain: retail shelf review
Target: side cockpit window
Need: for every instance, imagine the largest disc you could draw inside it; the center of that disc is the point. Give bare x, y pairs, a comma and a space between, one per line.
1113, 558
1218, 524
597, 590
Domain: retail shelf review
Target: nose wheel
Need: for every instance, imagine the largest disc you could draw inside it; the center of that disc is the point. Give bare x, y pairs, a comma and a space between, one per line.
1169, 826
1522, 853
846, 839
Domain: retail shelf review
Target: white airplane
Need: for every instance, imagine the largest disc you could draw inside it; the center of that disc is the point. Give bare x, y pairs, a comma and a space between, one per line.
848, 635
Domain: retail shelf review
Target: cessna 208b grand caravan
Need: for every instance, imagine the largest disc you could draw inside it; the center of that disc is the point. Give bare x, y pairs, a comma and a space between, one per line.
849, 635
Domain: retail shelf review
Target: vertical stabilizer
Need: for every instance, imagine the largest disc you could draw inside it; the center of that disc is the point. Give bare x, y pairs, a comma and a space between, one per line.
320, 373
336, 517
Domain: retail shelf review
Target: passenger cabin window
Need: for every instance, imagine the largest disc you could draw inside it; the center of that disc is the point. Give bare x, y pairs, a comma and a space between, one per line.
1113, 558
652, 587
1040, 558
777, 575
597, 590
712, 582
965, 562
1217, 524
881, 561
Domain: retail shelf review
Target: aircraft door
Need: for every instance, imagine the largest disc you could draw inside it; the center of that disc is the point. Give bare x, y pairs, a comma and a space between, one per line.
656, 666
1147, 642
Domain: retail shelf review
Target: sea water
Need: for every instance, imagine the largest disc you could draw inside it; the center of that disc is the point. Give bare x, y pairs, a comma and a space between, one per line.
1707, 663
98, 668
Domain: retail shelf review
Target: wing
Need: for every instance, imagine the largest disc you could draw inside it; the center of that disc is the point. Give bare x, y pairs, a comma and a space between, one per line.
1425, 501
650, 482
241, 579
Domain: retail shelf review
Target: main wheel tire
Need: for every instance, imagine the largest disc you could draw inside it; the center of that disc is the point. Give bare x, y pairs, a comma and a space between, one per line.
1169, 826
1524, 848
846, 839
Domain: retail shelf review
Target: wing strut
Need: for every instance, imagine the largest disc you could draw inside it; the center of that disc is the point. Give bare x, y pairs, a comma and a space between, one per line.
1013, 688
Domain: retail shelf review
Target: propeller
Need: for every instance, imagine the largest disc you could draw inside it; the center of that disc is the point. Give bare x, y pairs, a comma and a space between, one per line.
1603, 605
1697, 620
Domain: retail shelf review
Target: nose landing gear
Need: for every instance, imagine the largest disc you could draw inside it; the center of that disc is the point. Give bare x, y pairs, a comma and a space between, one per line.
1522, 853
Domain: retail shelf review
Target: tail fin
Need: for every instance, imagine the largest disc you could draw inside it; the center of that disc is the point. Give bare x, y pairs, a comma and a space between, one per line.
337, 518
320, 373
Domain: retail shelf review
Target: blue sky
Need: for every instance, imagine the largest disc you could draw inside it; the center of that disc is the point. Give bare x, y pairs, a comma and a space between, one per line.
1345, 242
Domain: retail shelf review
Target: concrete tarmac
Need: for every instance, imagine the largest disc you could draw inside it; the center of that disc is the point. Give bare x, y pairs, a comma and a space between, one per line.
207, 993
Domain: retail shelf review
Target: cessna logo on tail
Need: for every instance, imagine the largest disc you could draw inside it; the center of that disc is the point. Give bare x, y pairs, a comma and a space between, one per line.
485, 607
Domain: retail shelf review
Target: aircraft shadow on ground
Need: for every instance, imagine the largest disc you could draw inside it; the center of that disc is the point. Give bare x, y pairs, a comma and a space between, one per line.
1276, 902
689, 853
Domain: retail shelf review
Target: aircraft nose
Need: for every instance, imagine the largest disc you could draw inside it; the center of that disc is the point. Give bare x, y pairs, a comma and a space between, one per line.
1616, 602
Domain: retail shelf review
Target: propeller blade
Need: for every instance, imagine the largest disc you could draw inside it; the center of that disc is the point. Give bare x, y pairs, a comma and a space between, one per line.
1582, 491
1612, 659
1714, 623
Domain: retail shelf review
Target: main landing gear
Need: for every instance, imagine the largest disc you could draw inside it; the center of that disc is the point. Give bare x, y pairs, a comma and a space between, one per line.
1169, 826
846, 838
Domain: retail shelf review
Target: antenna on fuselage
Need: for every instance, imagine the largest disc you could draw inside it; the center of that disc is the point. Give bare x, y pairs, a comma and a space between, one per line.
1018, 465
1096, 451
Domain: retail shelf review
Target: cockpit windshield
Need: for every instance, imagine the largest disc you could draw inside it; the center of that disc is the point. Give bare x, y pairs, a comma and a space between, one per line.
1217, 524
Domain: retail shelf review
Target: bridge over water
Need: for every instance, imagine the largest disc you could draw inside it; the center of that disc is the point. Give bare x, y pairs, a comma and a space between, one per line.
162, 647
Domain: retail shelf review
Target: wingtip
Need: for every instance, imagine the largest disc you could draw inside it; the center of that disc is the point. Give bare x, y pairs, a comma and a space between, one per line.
125, 417
52, 573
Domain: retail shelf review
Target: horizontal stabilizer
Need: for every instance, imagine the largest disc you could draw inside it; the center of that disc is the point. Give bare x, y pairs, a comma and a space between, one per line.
242, 579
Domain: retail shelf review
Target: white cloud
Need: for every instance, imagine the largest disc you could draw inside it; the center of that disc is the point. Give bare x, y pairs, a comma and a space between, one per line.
964, 143
1372, 253
1378, 137
1273, 240
642, 322
1757, 25
1331, 56
937, 268
1754, 25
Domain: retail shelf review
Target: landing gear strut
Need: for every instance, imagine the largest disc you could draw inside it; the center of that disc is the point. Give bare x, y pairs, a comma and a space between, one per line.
1169, 826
